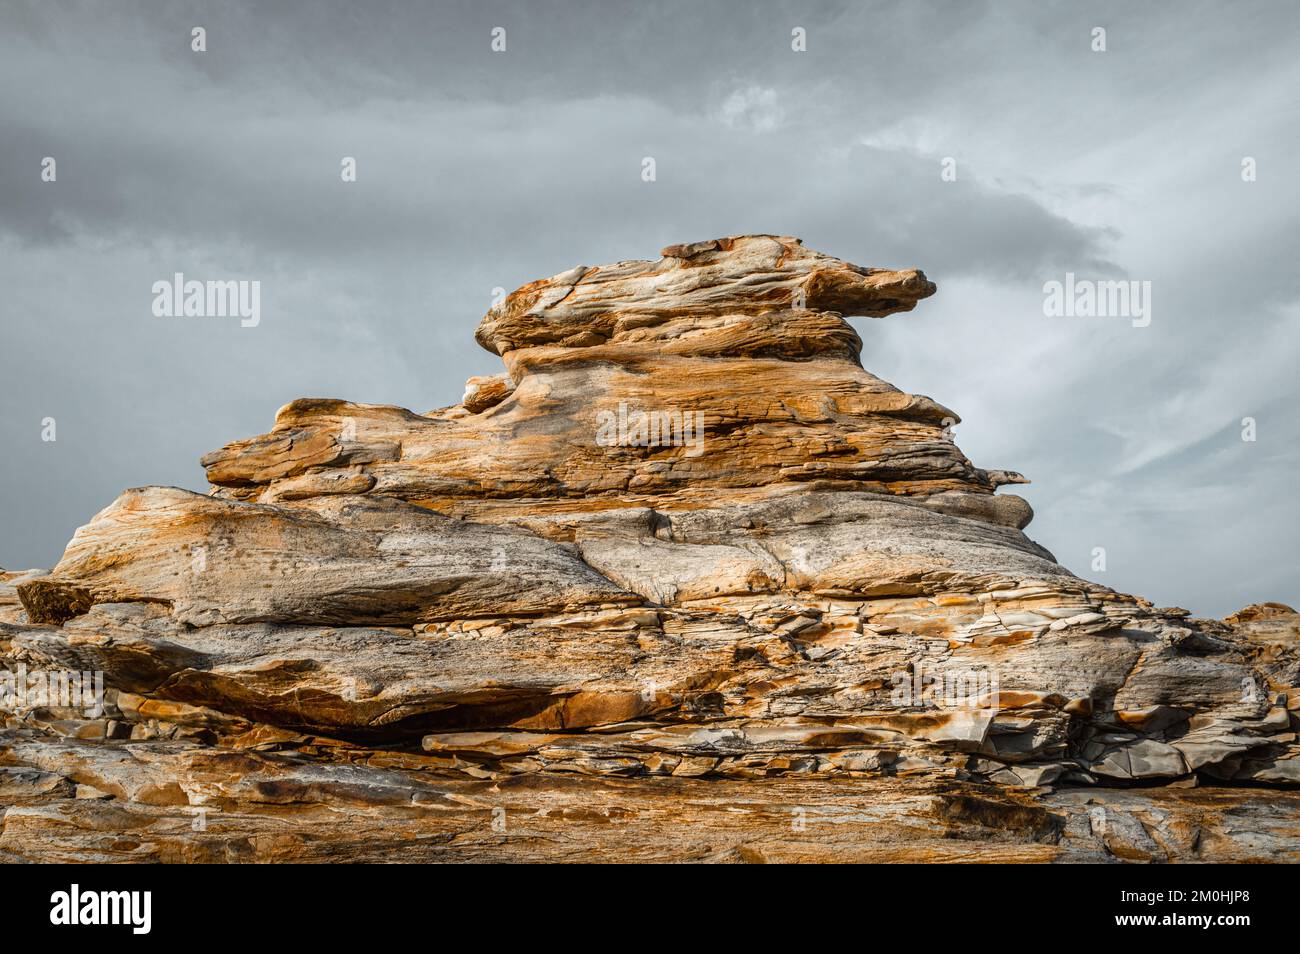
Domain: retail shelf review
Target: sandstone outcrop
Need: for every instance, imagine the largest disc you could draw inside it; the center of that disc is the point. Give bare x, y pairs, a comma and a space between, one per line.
684, 558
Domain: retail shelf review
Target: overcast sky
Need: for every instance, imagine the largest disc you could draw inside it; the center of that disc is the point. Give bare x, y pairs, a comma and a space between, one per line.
479, 169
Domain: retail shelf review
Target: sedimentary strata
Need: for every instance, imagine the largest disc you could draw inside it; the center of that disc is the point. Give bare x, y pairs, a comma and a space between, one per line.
684, 559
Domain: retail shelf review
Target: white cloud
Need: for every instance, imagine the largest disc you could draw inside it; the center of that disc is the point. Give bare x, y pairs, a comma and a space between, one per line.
753, 108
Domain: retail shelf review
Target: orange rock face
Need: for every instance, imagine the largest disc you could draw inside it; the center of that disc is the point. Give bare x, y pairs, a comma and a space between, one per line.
609, 370
683, 552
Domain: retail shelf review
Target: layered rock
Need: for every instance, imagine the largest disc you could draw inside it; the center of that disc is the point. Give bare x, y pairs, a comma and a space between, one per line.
684, 541
738, 332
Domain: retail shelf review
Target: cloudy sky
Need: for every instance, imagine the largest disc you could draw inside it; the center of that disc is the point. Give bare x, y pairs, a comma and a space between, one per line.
479, 169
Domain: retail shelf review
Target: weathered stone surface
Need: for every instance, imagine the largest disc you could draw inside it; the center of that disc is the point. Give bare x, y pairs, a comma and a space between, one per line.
806, 629
11, 605
362, 560
484, 392
741, 275
52, 601
181, 802
744, 335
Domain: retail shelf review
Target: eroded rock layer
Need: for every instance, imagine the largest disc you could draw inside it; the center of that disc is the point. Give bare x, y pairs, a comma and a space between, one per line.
685, 556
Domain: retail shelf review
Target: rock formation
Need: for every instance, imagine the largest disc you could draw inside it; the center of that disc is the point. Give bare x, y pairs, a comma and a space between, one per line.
684, 582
